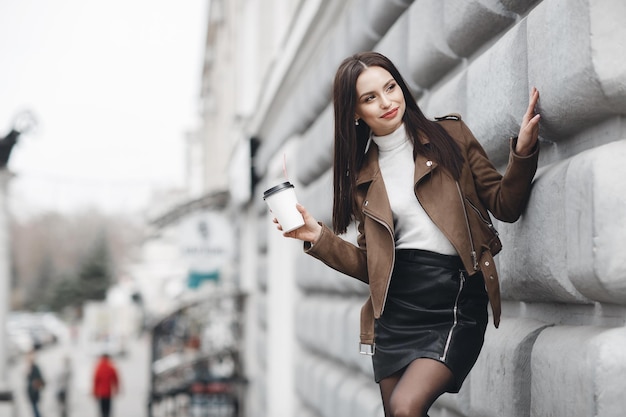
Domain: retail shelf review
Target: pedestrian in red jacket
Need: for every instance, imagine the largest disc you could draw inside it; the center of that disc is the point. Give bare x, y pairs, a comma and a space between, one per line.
105, 384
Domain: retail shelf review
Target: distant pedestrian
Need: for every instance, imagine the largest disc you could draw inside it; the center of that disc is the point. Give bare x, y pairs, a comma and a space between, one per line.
63, 387
34, 383
105, 384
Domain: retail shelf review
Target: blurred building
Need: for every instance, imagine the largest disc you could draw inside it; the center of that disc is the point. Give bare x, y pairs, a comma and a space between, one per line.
266, 110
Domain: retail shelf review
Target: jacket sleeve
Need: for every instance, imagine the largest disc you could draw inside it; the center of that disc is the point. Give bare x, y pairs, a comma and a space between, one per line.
505, 196
115, 382
340, 254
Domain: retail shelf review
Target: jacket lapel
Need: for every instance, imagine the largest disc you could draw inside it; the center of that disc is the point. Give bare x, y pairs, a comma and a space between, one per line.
423, 167
376, 200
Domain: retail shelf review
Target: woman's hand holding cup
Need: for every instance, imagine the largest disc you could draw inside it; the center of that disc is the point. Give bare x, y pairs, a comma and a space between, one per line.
311, 230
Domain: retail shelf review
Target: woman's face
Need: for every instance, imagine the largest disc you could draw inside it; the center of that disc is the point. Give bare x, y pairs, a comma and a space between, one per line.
380, 102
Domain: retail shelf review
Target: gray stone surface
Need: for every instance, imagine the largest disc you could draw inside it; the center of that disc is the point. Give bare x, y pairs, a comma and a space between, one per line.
596, 226
470, 24
497, 93
429, 56
499, 382
575, 371
394, 45
608, 49
560, 64
533, 261
518, 6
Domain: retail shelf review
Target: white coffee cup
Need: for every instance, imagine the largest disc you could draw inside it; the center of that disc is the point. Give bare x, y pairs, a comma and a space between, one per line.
282, 201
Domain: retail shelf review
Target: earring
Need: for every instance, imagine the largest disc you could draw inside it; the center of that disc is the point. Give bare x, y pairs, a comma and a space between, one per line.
356, 122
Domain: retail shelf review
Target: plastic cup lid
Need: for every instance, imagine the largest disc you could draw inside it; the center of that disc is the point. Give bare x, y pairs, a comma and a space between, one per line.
277, 188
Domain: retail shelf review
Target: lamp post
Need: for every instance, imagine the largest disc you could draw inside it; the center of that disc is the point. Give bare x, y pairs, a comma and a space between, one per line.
23, 123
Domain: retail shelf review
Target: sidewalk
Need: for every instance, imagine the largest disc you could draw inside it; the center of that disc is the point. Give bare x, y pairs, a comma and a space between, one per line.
133, 369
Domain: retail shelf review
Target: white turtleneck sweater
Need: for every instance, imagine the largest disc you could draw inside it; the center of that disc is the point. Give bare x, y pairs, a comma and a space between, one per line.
413, 228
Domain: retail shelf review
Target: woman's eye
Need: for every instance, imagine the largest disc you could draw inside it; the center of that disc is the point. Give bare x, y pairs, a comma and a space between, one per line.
391, 87
369, 98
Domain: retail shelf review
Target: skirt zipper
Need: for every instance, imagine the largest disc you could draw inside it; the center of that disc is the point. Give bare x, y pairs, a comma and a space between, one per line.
455, 314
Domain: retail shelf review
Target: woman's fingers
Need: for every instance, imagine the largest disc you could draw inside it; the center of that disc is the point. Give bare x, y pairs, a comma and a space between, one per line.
531, 111
529, 129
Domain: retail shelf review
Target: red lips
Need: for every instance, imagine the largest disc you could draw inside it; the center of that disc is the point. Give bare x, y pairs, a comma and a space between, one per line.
390, 114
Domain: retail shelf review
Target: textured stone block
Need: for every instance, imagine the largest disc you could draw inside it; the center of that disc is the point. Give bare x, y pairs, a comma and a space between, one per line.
578, 372
350, 337
596, 222
579, 74
394, 46
305, 412
322, 325
569, 245
368, 402
608, 49
314, 275
383, 13
305, 317
450, 97
499, 380
533, 262
261, 347
609, 365
345, 393
302, 370
518, 6
334, 326
261, 309
361, 34
318, 197
331, 383
497, 93
429, 56
471, 23
453, 405
316, 384
315, 150
349, 393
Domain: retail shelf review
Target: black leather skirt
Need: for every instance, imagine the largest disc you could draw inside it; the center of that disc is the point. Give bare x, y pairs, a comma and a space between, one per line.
434, 309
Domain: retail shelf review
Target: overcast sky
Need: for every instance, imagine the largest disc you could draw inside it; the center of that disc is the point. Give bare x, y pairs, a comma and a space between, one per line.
114, 85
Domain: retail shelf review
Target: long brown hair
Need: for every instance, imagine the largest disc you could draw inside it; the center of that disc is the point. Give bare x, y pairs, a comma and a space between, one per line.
351, 139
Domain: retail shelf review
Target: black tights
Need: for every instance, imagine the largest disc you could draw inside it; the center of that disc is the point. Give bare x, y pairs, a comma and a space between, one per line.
411, 392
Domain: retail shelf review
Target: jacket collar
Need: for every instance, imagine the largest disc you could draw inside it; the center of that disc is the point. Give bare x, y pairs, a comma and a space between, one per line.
370, 169
376, 200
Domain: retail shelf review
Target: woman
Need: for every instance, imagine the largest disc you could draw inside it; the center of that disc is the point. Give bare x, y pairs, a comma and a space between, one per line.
419, 191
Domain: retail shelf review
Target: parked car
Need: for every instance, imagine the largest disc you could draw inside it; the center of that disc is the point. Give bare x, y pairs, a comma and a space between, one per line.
28, 330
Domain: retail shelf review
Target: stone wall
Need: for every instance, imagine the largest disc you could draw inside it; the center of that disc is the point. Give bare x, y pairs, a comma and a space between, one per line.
560, 350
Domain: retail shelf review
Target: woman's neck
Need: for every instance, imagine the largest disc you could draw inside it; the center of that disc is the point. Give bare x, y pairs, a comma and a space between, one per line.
391, 141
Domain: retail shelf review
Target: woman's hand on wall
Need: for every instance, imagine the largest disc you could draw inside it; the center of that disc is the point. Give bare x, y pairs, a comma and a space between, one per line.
311, 230
529, 130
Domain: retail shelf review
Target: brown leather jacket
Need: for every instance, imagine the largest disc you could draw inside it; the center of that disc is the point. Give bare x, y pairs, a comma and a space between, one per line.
458, 208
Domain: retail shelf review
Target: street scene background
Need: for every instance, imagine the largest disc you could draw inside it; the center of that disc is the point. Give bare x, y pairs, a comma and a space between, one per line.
137, 140
133, 367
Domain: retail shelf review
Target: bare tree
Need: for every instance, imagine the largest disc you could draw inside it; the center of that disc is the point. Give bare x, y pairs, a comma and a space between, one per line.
52, 251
